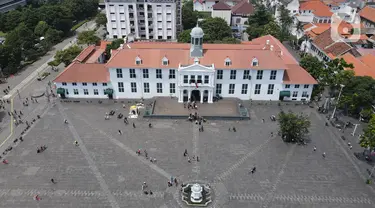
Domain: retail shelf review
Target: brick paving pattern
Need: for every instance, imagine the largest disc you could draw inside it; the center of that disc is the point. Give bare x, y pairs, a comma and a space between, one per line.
105, 171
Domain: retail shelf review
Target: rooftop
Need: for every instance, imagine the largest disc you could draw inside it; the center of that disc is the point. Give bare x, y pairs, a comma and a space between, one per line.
368, 13
363, 66
152, 54
243, 8
84, 72
221, 6
333, 49
318, 8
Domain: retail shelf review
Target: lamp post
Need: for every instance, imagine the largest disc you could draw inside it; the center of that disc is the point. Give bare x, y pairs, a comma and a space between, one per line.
338, 99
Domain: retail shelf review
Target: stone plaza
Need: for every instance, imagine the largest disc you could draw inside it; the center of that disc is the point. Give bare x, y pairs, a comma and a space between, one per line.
105, 171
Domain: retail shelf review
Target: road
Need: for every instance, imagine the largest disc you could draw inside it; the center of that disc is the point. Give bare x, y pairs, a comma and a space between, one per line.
24, 84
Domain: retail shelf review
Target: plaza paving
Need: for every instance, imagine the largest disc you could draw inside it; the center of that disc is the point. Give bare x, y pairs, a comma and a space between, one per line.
104, 170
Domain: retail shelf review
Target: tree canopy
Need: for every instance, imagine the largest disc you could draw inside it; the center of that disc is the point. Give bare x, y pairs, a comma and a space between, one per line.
286, 22
24, 26
184, 36
368, 136
88, 37
358, 95
101, 19
189, 16
216, 30
68, 55
293, 127
261, 23
313, 66
113, 46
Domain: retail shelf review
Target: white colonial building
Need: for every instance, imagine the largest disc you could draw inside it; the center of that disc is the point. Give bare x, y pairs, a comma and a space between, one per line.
259, 70
148, 19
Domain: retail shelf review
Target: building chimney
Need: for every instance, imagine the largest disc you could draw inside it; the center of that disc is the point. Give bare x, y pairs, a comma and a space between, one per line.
271, 47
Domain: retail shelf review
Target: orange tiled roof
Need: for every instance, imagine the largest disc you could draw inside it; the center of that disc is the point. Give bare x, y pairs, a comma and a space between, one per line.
85, 53
368, 13
295, 74
318, 8
278, 47
325, 43
369, 60
94, 56
152, 58
152, 53
360, 68
103, 44
83, 72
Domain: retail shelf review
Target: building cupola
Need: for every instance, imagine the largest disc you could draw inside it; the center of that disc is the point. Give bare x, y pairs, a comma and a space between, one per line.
196, 48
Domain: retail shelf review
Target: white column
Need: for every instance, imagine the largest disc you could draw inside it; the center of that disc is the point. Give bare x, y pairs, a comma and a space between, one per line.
189, 95
180, 96
210, 96
202, 94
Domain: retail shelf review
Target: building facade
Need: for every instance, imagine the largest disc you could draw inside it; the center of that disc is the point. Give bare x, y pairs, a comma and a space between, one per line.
257, 70
146, 19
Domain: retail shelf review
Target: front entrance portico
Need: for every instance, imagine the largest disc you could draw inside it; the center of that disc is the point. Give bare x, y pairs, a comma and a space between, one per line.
195, 94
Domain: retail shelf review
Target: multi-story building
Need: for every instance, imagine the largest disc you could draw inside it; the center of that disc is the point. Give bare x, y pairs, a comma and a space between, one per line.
7, 5
262, 69
144, 19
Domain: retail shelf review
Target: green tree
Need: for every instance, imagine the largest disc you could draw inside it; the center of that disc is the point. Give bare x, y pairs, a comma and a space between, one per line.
333, 76
368, 136
113, 46
29, 17
184, 36
21, 37
68, 55
273, 29
313, 66
358, 94
57, 16
53, 35
215, 29
293, 127
41, 28
262, 23
82, 9
260, 17
10, 59
88, 37
12, 19
101, 19
189, 16
285, 23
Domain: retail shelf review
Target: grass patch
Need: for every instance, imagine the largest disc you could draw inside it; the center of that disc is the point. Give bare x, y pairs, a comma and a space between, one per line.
204, 14
79, 24
2, 34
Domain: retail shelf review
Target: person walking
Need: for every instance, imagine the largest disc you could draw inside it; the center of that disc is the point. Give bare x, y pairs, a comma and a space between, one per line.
133, 125
76, 143
314, 149
37, 198
119, 132
324, 155
53, 181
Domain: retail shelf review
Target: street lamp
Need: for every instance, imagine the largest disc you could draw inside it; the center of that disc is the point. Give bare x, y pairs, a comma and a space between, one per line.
338, 99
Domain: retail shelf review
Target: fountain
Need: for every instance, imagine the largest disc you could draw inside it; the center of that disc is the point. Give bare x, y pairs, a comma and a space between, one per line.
195, 194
